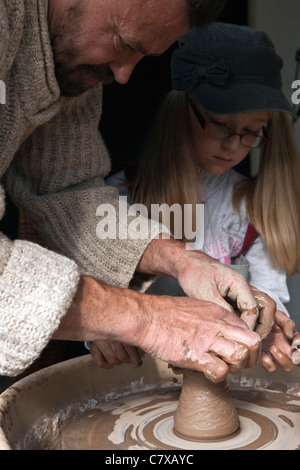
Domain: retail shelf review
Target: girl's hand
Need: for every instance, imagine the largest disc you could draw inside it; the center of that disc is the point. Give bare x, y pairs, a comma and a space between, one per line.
107, 354
277, 347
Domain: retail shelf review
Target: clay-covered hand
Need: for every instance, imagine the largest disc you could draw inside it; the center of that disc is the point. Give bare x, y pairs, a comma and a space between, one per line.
204, 278
267, 311
200, 335
261, 320
277, 348
200, 276
188, 333
107, 354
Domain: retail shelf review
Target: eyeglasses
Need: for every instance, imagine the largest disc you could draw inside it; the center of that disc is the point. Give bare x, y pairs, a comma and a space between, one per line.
219, 131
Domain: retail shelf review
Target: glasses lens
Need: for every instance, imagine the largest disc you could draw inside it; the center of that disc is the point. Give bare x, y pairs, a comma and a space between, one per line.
252, 141
218, 131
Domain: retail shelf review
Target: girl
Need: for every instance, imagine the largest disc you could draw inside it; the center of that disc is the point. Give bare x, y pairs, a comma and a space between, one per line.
227, 100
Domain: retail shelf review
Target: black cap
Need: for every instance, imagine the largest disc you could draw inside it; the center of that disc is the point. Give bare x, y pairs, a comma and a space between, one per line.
229, 69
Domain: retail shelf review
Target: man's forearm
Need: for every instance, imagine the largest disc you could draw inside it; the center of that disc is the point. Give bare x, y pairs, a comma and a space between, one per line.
100, 311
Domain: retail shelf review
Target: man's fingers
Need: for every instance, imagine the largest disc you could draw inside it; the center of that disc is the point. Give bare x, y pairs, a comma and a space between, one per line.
214, 368
213, 295
218, 299
230, 351
248, 339
240, 293
238, 347
250, 317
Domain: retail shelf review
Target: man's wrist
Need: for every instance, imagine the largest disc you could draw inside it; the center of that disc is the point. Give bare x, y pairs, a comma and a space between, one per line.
162, 257
103, 312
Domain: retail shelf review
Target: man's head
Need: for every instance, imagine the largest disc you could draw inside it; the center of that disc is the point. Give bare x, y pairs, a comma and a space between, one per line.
102, 40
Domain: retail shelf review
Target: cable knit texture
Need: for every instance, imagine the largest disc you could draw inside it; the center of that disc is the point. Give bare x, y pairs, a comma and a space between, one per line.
53, 164
35, 289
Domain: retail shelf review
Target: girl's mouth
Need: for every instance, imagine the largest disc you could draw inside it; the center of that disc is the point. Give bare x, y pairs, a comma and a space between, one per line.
226, 161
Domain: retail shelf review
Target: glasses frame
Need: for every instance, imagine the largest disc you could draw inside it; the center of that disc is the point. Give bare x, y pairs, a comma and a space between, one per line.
203, 123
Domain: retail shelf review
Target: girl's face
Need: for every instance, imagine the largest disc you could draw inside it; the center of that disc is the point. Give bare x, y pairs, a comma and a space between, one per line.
215, 156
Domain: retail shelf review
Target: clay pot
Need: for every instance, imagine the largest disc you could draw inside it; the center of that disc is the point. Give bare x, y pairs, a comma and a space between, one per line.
205, 410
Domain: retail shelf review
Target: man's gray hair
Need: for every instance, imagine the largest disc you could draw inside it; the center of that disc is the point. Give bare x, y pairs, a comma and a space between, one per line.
204, 11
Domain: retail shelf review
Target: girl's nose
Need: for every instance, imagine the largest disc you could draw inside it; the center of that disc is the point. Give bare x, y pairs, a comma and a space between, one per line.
233, 142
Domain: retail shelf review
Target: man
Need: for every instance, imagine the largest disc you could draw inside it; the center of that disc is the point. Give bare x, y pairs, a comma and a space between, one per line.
53, 161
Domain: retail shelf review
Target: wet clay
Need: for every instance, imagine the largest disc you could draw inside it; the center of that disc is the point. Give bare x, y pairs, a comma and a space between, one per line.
135, 409
269, 420
205, 410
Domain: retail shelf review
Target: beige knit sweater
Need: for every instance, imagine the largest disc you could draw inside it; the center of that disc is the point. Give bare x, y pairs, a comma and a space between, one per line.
53, 164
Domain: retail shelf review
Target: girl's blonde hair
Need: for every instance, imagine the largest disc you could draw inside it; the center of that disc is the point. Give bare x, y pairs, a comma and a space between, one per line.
273, 195
169, 168
168, 174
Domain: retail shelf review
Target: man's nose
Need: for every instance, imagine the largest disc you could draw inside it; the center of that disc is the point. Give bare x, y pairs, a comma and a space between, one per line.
122, 71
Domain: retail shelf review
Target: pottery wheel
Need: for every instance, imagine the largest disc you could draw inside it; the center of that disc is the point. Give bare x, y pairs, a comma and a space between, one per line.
268, 420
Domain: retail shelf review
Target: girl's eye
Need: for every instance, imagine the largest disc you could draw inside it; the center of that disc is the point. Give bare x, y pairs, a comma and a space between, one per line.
215, 121
248, 131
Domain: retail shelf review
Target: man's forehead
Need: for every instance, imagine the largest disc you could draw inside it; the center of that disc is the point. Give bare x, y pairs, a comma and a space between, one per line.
154, 32
155, 13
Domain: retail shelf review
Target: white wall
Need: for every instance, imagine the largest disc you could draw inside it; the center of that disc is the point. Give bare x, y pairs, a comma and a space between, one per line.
280, 19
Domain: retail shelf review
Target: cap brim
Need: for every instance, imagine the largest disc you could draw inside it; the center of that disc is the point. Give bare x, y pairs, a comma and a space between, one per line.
254, 97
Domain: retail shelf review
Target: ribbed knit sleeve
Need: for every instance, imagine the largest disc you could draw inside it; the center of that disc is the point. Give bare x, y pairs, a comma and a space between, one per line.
57, 178
36, 290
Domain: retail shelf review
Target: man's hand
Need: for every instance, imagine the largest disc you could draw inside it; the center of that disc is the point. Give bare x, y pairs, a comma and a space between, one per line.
184, 332
109, 354
201, 277
200, 335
